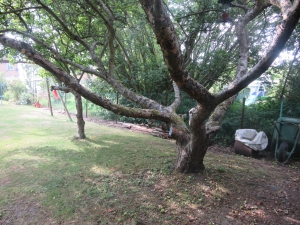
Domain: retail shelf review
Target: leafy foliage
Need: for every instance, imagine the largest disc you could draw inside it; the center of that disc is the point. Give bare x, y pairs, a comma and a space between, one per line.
16, 88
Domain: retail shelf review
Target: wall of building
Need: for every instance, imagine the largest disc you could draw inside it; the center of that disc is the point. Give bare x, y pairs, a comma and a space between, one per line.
10, 71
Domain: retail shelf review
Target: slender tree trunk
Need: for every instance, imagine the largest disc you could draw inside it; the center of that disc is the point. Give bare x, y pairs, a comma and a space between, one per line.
65, 106
49, 98
79, 116
79, 109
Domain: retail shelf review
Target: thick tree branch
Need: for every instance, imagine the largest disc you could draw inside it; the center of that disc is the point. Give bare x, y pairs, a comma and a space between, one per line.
71, 82
170, 46
284, 5
66, 78
177, 100
34, 38
61, 88
102, 73
214, 122
283, 32
243, 39
109, 23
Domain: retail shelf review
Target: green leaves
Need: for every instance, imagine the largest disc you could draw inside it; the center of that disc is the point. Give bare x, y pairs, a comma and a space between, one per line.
16, 88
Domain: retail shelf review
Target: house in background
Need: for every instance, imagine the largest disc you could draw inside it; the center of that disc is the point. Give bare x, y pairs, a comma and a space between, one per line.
26, 72
10, 71
258, 89
30, 75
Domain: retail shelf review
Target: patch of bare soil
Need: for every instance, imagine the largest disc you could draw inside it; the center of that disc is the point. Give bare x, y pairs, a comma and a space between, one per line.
24, 211
264, 200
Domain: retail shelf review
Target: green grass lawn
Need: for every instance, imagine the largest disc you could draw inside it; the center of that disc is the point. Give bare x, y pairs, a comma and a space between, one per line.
48, 176
42, 161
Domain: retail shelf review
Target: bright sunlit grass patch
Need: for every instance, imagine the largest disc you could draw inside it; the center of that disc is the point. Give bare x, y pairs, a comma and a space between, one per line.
100, 170
42, 161
113, 176
25, 157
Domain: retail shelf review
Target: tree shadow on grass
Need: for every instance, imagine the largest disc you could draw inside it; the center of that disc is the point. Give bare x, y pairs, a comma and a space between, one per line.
106, 181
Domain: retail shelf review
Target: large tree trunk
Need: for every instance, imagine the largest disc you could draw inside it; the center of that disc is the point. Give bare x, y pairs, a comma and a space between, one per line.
192, 146
79, 116
191, 152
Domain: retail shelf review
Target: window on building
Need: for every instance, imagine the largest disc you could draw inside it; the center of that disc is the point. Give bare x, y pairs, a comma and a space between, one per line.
9, 66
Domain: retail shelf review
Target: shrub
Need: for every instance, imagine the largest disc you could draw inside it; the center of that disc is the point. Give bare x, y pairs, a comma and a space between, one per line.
7, 96
25, 98
16, 88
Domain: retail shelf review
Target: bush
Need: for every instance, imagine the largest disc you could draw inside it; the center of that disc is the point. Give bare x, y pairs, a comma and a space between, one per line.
7, 95
25, 99
16, 88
